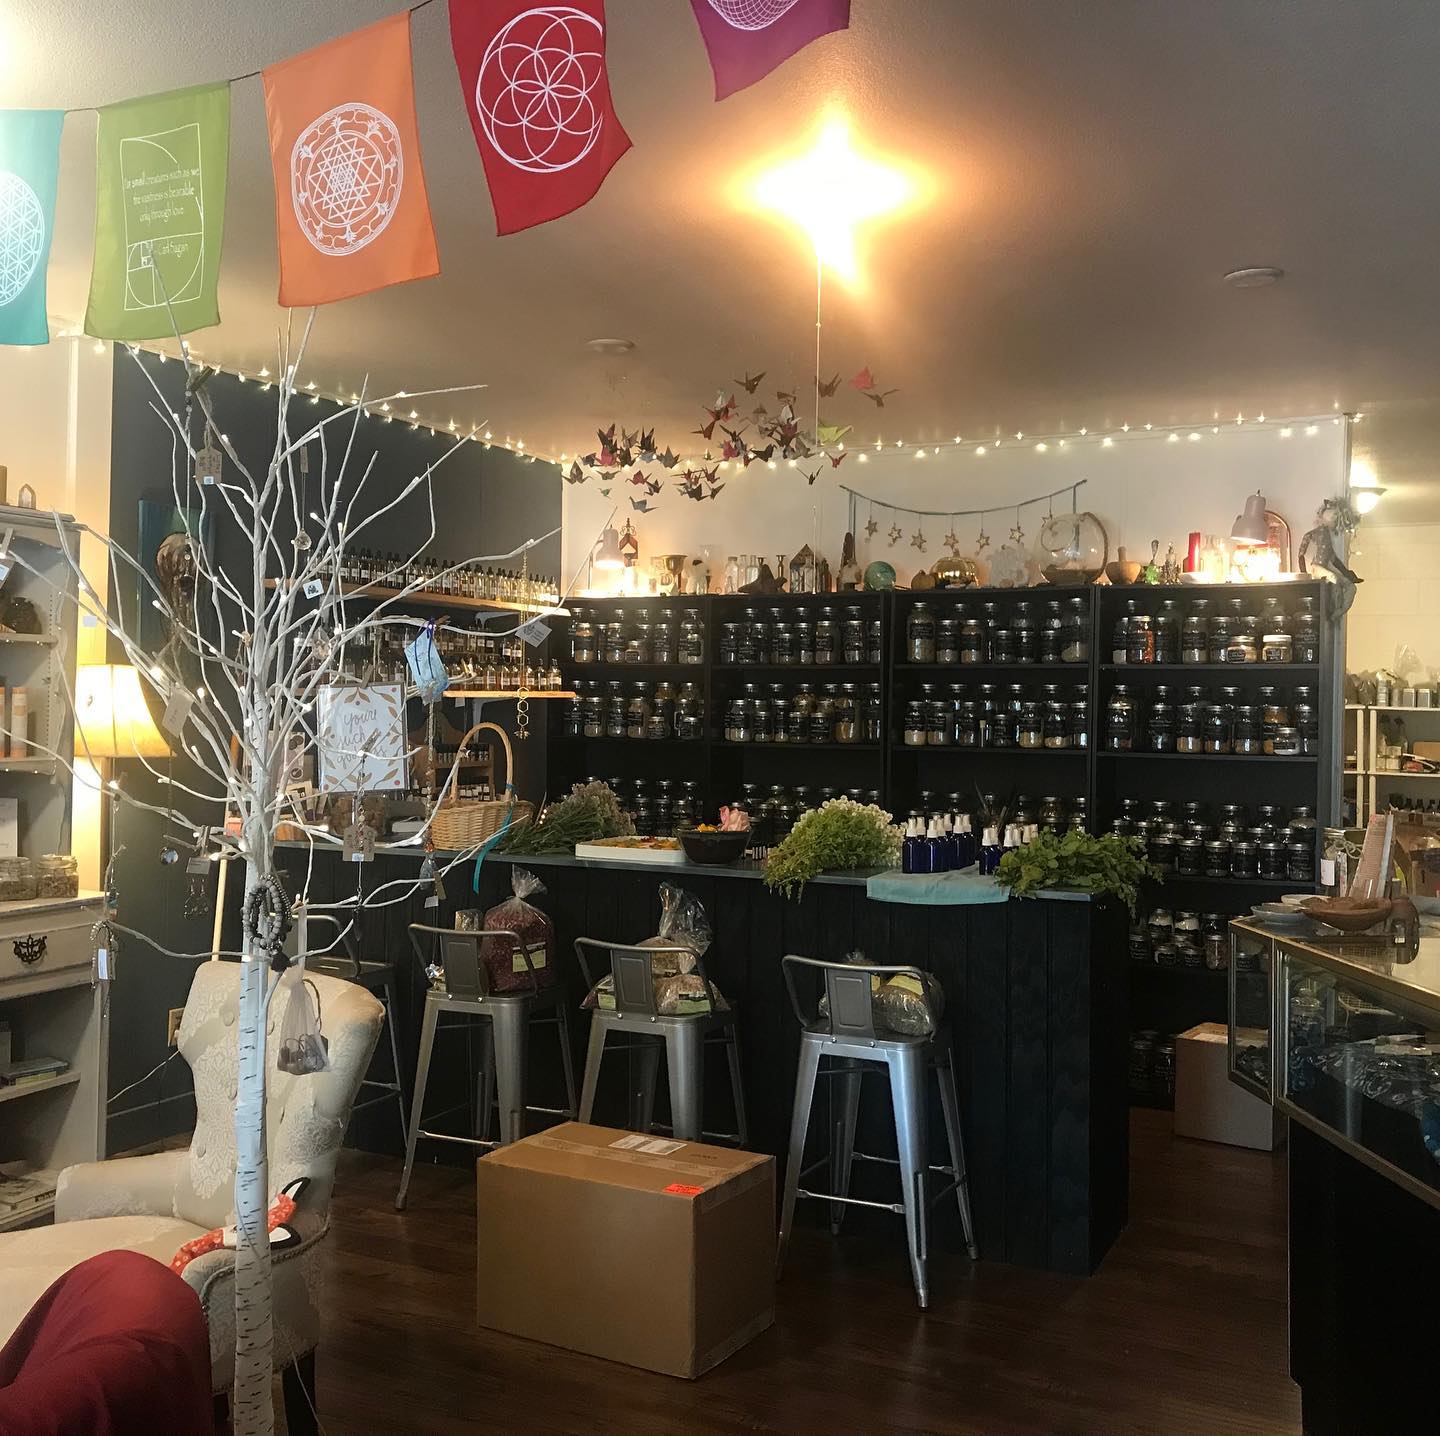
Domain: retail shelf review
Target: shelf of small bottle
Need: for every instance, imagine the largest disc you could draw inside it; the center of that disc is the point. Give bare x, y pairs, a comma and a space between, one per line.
531, 695
954, 668
1209, 757
1233, 668
830, 747
987, 751
441, 600
571, 669
831, 672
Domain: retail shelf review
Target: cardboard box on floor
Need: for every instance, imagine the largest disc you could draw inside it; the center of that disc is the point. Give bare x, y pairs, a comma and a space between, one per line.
1208, 1105
643, 1250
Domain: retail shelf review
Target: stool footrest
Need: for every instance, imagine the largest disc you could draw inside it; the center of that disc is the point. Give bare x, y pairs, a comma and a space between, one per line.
896, 1207
462, 1141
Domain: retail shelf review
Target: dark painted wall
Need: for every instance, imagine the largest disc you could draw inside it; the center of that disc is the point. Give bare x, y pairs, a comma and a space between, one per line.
486, 501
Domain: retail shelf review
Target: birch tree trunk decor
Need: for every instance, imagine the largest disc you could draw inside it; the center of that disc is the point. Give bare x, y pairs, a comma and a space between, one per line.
238, 688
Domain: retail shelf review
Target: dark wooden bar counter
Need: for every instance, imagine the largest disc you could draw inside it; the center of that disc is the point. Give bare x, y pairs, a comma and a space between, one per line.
1036, 996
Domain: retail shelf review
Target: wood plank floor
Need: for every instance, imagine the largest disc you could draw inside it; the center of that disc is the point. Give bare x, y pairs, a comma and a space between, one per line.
1181, 1331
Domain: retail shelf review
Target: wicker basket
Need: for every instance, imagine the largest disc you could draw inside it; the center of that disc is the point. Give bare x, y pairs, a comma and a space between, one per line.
459, 825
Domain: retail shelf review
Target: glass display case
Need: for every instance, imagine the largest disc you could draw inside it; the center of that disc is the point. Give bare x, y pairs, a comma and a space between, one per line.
1252, 961
1359, 1035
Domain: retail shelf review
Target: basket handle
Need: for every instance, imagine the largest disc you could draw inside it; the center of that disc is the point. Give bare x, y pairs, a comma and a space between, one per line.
452, 800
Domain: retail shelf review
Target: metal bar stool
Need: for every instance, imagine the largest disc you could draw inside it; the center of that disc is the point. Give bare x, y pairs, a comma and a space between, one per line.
375, 977
684, 1038
845, 1040
505, 1038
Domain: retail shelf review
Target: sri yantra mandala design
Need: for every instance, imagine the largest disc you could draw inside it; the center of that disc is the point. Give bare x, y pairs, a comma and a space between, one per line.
346, 173
535, 92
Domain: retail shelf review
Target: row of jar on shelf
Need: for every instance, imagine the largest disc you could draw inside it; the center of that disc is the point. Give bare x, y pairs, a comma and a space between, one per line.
1182, 939
1229, 631
1222, 720
1015, 715
472, 660
1023, 632
659, 806
761, 713
1267, 841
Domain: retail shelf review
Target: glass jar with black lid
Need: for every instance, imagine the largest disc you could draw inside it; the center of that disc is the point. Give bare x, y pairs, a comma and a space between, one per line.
1160, 725
1050, 625
1244, 858
1075, 633
1217, 858
762, 720
614, 644
822, 716
662, 642
1167, 632
847, 715
1194, 633
827, 639
746, 651
582, 638
1056, 728
759, 649
1217, 727
1246, 729
920, 635
1160, 848
637, 712
737, 720
804, 631
689, 717
662, 712
1002, 646
947, 641
967, 725
852, 637
872, 715
1140, 639
1219, 636
916, 729
797, 722
1026, 632
1273, 859
1305, 638
874, 640
1120, 720
1079, 717
1300, 858
784, 650
1029, 726
939, 722
972, 640
729, 644
1190, 727
1189, 857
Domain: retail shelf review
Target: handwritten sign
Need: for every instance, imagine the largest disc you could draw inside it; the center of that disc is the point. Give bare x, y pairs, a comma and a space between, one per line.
360, 737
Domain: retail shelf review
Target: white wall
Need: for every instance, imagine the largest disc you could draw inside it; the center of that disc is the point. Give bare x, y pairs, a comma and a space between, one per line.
1143, 487
1399, 601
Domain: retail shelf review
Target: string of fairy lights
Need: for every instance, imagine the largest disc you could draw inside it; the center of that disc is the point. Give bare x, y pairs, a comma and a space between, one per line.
977, 447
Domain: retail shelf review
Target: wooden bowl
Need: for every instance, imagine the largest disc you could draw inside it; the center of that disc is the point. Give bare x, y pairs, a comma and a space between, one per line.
1348, 914
1123, 571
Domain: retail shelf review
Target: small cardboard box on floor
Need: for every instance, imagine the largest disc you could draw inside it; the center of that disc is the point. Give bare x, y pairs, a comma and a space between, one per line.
639, 1249
1208, 1105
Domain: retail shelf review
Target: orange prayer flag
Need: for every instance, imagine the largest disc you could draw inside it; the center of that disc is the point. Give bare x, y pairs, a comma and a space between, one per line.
351, 211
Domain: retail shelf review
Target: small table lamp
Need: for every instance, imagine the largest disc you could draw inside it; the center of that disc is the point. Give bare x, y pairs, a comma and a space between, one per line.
113, 721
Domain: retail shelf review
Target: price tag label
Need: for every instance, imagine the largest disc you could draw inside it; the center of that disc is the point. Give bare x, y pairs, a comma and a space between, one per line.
314, 588
5, 566
359, 843
207, 465
304, 461
104, 964
535, 632
177, 710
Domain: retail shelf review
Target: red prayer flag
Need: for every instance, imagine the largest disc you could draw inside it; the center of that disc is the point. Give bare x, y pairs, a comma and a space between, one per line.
749, 38
351, 211
538, 94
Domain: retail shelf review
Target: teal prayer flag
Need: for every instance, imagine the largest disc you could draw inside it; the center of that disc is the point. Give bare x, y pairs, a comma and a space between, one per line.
160, 175
29, 169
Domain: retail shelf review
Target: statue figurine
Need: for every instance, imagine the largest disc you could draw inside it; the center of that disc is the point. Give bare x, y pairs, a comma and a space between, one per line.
1170, 570
766, 582
1151, 572
1334, 516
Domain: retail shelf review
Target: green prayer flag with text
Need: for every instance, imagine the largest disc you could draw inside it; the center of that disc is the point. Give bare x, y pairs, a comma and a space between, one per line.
160, 176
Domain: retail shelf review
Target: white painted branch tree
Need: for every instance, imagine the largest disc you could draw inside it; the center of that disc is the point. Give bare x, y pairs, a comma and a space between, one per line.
244, 666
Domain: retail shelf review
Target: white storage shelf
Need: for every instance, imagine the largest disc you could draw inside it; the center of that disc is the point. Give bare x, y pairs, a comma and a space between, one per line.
50, 1002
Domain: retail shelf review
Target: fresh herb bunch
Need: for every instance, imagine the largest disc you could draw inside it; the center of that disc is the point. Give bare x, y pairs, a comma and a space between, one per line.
591, 811
1076, 860
840, 834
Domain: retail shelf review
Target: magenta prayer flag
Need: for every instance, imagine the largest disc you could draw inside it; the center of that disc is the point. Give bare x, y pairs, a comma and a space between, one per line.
749, 38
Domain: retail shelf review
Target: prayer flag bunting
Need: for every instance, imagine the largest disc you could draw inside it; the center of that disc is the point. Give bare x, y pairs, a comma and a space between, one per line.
749, 38
160, 178
29, 166
538, 95
351, 210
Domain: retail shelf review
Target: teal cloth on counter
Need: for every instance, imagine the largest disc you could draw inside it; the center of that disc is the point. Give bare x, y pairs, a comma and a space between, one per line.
936, 889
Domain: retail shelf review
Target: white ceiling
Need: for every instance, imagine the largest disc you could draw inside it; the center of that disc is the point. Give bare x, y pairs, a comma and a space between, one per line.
1097, 168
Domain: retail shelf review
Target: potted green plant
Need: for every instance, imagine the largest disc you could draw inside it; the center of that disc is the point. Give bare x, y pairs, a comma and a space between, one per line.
840, 835
1078, 861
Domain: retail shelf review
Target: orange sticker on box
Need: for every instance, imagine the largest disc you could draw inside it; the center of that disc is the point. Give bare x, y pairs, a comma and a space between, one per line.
682, 1189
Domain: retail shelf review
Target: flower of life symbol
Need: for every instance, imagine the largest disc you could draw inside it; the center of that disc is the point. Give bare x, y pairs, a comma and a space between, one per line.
22, 235
346, 172
535, 89
751, 14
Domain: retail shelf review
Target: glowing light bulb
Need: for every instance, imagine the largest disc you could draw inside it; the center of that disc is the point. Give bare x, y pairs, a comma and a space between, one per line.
1107, 442
830, 192
980, 451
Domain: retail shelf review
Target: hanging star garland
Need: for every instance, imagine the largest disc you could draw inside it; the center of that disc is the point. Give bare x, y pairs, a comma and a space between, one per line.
894, 534
983, 542
1017, 534
917, 540
952, 542
871, 527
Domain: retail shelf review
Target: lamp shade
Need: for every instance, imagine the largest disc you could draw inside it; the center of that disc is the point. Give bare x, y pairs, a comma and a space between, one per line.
1252, 528
607, 551
113, 716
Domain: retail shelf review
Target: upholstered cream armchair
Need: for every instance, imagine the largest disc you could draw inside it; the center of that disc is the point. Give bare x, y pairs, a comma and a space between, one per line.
155, 1204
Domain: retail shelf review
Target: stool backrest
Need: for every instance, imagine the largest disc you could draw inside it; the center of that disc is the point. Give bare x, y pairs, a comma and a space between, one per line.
466, 975
847, 993
632, 972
